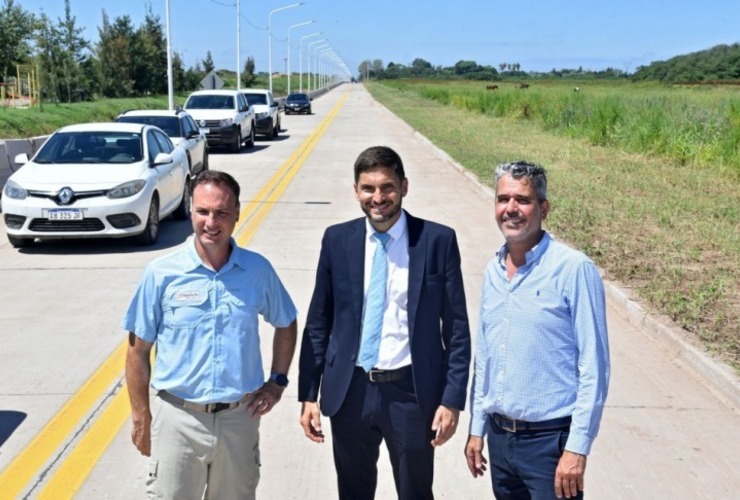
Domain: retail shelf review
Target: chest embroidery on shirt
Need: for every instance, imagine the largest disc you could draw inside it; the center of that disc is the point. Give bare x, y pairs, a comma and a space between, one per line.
191, 296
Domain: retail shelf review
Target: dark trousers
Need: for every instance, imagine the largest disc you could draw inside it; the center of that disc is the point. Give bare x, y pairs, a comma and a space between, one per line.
523, 464
370, 414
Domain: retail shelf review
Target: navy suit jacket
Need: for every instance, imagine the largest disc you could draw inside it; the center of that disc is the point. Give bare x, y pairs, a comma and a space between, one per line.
439, 333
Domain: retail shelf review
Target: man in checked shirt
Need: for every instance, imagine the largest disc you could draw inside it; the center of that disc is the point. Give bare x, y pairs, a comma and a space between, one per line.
542, 354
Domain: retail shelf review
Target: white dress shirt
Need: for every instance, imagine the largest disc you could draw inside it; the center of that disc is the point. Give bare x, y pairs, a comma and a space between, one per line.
394, 340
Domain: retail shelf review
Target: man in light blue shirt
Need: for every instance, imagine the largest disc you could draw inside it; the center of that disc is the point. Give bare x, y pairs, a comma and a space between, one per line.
542, 354
200, 305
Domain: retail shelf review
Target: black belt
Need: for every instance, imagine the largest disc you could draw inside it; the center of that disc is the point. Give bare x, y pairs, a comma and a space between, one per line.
206, 408
383, 376
510, 425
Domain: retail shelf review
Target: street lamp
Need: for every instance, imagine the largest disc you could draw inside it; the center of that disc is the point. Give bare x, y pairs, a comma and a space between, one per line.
300, 57
324, 46
170, 90
289, 29
321, 66
308, 65
269, 38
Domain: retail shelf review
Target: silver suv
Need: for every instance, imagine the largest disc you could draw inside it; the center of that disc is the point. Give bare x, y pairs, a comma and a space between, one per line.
225, 116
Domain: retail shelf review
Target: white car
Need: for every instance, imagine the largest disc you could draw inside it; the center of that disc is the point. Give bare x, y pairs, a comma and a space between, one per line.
267, 111
97, 180
225, 116
180, 126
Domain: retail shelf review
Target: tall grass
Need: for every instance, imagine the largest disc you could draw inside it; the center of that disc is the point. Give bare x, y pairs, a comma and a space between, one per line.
689, 126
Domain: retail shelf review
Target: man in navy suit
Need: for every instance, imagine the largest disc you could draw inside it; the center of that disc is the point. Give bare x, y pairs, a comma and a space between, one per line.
409, 389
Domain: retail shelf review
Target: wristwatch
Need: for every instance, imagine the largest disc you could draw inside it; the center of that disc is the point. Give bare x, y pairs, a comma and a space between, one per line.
280, 379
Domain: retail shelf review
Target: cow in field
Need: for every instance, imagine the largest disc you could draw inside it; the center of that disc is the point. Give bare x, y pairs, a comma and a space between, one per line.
576, 89
491, 87
523, 85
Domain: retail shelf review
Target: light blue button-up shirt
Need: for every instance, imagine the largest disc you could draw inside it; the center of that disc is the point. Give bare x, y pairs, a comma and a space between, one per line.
542, 350
205, 322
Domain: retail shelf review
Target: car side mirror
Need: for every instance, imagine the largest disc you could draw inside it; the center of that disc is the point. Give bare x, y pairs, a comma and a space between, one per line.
21, 159
274, 104
162, 159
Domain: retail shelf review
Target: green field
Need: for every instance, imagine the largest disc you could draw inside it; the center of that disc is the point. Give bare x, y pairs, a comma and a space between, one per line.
644, 179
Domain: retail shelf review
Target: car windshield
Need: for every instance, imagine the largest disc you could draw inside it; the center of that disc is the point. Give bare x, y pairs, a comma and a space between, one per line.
253, 99
297, 98
169, 124
210, 102
91, 147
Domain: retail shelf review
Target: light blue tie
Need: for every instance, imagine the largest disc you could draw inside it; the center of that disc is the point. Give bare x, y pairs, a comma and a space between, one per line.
372, 324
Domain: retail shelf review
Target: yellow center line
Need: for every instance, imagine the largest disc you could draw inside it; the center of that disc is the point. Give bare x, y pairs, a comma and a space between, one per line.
78, 464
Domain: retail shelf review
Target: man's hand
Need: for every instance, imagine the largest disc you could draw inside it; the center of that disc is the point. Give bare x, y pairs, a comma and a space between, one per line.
569, 475
474, 455
264, 399
141, 434
311, 421
444, 424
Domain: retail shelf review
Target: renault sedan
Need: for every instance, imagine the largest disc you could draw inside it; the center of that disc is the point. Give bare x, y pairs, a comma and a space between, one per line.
97, 180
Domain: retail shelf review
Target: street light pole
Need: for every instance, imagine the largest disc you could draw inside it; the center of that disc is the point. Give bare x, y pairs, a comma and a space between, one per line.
300, 58
269, 39
288, 66
326, 45
238, 46
170, 87
308, 66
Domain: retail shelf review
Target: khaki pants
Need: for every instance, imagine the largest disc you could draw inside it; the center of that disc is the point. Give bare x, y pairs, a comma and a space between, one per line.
199, 455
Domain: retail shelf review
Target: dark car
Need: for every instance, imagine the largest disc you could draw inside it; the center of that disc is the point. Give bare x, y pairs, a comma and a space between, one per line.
297, 103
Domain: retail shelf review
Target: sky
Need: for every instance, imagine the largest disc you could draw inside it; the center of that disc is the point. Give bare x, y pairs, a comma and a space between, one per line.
539, 35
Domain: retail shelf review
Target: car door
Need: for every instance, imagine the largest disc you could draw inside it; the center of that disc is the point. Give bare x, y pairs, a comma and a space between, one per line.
166, 174
196, 143
243, 105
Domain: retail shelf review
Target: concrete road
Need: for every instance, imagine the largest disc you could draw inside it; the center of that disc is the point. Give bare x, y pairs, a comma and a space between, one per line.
64, 431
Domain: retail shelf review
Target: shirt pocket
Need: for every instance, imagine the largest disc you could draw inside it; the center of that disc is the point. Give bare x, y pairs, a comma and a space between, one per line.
243, 307
187, 307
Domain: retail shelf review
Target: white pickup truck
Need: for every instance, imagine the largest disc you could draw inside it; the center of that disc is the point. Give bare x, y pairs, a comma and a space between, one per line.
225, 116
267, 111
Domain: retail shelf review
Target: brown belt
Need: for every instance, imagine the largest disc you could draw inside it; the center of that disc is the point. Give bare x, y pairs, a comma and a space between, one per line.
206, 408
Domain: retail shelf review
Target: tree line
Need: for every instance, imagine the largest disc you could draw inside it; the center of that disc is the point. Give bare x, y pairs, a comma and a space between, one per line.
720, 63
126, 60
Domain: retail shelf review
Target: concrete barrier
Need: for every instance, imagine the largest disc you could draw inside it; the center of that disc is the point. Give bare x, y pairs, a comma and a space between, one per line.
9, 148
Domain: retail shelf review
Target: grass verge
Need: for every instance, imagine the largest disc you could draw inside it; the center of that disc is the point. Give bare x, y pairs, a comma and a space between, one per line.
670, 232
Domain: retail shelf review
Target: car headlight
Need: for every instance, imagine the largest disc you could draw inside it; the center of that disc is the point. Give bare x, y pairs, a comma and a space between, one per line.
14, 191
226, 122
262, 115
126, 189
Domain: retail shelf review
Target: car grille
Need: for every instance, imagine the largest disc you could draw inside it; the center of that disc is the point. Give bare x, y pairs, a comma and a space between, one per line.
213, 123
66, 226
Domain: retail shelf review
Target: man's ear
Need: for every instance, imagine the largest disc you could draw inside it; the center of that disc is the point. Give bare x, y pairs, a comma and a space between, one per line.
404, 187
544, 209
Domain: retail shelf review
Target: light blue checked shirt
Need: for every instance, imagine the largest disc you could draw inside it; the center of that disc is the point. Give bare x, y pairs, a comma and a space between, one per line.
205, 323
542, 350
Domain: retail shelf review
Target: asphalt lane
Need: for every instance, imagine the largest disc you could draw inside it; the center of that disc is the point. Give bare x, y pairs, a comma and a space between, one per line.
665, 433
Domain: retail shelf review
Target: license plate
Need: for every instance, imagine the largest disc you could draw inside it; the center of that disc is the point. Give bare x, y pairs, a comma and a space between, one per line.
65, 214
205, 130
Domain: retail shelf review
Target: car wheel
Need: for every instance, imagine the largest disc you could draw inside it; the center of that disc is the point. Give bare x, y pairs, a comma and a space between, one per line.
20, 242
250, 141
269, 135
151, 230
237, 144
276, 130
182, 212
205, 160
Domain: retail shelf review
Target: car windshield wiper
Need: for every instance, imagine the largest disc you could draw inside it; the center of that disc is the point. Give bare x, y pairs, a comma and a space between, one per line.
45, 162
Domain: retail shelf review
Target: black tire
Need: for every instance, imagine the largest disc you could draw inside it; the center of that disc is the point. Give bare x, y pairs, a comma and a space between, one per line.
205, 160
250, 141
151, 230
236, 146
17, 242
276, 130
271, 134
182, 212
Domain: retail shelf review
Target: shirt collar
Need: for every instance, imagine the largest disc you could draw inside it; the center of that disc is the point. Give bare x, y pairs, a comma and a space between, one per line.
194, 260
532, 255
396, 231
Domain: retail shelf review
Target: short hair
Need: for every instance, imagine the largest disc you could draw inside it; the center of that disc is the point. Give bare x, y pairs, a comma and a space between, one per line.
379, 156
217, 178
523, 169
